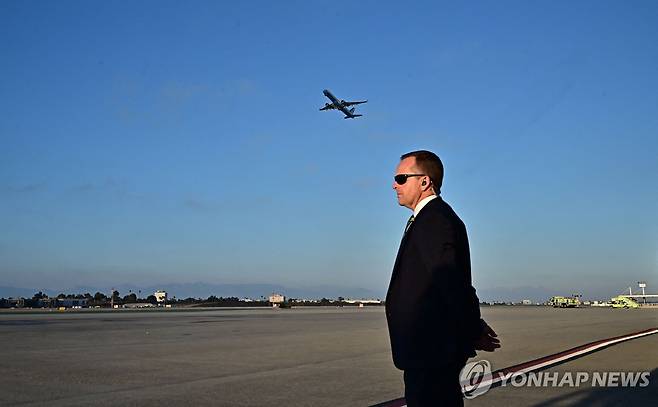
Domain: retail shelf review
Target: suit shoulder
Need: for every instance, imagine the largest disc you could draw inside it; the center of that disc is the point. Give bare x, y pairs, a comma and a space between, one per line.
440, 211
438, 217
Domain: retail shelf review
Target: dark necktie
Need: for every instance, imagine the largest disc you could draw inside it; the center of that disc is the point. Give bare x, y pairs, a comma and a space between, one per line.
409, 222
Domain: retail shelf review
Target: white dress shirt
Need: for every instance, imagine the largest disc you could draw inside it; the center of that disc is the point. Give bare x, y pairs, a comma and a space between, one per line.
422, 204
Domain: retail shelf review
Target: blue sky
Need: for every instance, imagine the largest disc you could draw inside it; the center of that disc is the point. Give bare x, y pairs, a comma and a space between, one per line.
169, 142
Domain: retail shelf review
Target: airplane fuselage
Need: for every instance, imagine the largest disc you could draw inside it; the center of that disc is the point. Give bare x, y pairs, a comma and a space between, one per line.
333, 99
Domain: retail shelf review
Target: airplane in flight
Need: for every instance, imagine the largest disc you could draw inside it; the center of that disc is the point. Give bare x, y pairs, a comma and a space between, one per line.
341, 105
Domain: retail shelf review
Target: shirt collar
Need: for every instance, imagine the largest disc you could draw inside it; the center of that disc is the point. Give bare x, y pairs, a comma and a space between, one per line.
422, 204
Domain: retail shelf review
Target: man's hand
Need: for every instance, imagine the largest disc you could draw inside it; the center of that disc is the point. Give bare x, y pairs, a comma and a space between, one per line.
488, 340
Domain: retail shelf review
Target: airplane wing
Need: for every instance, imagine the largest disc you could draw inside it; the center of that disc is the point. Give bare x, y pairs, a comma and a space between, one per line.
328, 106
354, 103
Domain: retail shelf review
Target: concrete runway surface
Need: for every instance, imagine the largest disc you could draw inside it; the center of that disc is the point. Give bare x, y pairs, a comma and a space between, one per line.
291, 357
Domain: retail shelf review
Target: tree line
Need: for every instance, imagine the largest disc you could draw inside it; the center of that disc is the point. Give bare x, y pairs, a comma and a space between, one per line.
42, 300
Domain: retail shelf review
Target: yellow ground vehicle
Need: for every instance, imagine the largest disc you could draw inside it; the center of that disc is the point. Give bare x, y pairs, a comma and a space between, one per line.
564, 302
621, 301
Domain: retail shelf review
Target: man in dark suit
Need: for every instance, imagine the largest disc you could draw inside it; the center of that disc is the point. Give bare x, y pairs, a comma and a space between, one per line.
432, 310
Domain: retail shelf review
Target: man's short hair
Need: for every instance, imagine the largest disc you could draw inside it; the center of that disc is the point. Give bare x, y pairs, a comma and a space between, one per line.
430, 164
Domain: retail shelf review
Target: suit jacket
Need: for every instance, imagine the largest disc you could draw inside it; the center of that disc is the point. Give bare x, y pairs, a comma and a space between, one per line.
432, 310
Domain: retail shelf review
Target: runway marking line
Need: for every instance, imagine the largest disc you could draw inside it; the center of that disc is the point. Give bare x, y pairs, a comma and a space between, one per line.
544, 362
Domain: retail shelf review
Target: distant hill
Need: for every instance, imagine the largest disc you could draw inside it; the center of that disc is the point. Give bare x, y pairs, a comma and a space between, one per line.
516, 294
15, 292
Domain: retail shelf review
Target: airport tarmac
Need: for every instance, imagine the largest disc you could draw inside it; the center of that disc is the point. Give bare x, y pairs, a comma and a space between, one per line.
293, 357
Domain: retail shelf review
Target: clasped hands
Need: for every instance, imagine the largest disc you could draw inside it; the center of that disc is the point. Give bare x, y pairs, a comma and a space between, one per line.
488, 340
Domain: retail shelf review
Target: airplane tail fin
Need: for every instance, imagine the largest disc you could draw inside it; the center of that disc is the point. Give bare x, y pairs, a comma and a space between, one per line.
352, 115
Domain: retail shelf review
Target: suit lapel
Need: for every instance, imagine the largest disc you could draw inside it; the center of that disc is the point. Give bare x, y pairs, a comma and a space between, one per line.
403, 243
405, 237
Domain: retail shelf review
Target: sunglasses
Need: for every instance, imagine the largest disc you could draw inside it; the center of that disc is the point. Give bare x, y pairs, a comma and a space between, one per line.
400, 179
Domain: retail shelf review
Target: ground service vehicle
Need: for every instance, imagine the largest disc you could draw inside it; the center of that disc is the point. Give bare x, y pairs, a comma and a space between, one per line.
621, 301
564, 302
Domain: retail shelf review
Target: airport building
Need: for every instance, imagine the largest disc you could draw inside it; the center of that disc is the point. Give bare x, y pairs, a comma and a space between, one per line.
277, 299
138, 305
363, 301
71, 302
15, 302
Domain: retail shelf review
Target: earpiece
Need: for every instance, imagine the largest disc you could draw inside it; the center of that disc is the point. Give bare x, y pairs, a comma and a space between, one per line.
423, 183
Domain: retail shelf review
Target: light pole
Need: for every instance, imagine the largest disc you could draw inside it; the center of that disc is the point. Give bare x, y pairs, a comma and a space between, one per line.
642, 285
